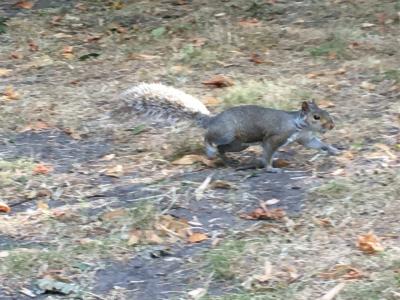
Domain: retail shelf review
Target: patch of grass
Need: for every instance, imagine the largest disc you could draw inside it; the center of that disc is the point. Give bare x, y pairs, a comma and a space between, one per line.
392, 74
333, 189
333, 47
222, 261
3, 25
267, 94
15, 171
192, 55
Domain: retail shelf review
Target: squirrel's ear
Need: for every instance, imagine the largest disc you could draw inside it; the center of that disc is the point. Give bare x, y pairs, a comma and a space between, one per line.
305, 106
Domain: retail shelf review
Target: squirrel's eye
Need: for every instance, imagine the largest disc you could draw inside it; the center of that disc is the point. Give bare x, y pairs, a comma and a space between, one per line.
316, 117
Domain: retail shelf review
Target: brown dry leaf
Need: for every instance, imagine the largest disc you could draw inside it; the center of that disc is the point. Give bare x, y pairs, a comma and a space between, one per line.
113, 214
33, 47
4, 72
369, 243
16, 55
42, 205
24, 4
134, 237
339, 71
191, 159
316, 74
72, 133
324, 222
10, 94
36, 126
197, 237
250, 22
325, 103
68, 52
256, 58
267, 273
4, 208
219, 81
42, 169
199, 41
342, 271
93, 37
56, 20
280, 163
139, 56
172, 226
223, 184
151, 237
211, 101
261, 214
293, 273
115, 171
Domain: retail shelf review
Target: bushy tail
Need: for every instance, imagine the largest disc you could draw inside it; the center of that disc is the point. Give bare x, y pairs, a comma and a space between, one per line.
158, 102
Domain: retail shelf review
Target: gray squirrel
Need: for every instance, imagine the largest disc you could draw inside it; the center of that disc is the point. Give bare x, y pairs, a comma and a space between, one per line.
236, 128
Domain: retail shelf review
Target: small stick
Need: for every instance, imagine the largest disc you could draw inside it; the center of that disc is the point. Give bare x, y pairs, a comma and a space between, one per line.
332, 293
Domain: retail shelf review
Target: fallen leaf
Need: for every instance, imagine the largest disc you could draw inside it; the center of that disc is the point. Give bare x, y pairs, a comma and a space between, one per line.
219, 81
191, 159
267, 273
42, 205
280, 163
198, 41
197, 237
4, 72
33, 47
4, 208
55, 20
36, 126
315, 75
139, 56
256, 58
93, 38
170, 225
24, 4
211, 101
223, 184
324, 222
368, 86
16, 55
72, 133
42, 169
261, 214
339, 71
293, 273
325, 103
249, 22
68, 52
369, 243
10, 94
115, 171
342, 271
113, 214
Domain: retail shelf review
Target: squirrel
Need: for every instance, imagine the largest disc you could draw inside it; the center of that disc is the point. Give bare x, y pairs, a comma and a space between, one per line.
236, 128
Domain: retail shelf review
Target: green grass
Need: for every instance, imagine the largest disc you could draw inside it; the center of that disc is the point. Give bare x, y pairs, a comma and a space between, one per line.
335, 46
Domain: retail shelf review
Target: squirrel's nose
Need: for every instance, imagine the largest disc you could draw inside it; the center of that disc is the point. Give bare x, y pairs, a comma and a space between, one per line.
329, 125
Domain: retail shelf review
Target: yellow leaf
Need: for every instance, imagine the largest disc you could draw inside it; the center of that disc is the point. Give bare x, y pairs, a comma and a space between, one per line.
41, 205
369, 243
116, 171
197, 237
4, 72
10, 94
192, 159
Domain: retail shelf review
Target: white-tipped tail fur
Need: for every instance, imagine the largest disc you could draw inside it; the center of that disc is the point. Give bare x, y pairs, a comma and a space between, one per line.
163, 102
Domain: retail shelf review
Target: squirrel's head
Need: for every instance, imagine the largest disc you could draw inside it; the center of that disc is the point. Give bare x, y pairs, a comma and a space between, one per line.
318, 119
